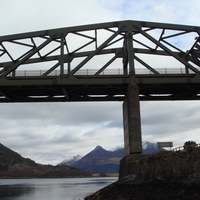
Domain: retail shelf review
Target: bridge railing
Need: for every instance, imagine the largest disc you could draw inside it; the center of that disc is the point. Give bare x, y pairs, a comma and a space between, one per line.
85, 72
181, 148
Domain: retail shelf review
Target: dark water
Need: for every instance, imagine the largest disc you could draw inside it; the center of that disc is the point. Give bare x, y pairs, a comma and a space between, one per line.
51, 189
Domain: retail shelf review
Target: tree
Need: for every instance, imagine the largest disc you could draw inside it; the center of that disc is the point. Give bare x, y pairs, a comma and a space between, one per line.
189, 144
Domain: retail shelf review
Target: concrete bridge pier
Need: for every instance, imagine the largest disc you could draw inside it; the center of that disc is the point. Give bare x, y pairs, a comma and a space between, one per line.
132, 130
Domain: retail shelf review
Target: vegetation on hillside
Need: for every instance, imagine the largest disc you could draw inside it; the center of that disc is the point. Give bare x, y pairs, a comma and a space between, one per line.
10, 159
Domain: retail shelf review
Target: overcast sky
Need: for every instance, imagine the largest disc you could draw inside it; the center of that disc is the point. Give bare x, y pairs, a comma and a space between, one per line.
51, 132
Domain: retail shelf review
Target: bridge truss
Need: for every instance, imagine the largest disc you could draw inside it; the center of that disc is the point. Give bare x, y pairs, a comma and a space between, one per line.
97, 62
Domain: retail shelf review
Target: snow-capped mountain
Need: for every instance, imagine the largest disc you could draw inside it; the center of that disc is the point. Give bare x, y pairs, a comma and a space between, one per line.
71, 160
117, 148
147, 147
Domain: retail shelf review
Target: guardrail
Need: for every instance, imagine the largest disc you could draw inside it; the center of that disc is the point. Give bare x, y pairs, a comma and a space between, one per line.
181, 148
85, 72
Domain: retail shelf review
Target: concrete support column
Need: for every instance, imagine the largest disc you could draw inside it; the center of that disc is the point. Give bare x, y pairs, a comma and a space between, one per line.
132, 121
132, 131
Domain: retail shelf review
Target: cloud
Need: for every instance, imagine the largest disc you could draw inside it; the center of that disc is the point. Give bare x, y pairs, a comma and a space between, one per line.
64, 114
36, 15
175, 120
177, 11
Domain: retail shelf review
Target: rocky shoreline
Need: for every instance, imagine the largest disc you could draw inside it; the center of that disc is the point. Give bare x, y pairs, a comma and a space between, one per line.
166, 176
133, 188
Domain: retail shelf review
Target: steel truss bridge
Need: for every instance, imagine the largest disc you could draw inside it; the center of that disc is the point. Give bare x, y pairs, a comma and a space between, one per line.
97, 63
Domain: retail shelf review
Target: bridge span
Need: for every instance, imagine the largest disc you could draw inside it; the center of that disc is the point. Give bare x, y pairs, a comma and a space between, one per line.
124, 61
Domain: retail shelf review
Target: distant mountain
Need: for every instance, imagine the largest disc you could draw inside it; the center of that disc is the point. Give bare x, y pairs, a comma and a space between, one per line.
71, 160
100, 160
149, 147
13, 165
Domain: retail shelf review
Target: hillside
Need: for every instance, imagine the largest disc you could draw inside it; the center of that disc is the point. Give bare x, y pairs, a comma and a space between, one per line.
166, 176
9, 159
13, 165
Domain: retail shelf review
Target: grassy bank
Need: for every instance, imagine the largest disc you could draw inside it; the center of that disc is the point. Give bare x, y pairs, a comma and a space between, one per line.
105, 175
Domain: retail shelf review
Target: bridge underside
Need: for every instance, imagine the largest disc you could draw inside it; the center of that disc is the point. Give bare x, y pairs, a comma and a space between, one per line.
33, 91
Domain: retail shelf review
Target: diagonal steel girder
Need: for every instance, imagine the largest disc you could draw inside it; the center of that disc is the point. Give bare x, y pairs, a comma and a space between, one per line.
97, 50
178, 57
6, 71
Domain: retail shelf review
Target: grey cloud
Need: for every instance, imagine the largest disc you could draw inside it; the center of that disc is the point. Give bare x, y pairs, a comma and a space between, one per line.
61, 113
116, 123
65, 139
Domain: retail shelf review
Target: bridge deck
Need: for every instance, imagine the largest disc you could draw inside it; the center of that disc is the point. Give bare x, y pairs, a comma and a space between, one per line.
98, 88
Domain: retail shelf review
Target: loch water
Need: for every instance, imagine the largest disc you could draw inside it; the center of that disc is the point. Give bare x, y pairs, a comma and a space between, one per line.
52, 189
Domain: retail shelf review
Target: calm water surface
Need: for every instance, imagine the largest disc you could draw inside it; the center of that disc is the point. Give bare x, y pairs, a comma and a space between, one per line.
51, 189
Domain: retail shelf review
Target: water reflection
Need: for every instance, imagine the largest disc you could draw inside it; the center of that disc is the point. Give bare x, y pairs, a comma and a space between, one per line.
14, 190
54, 189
